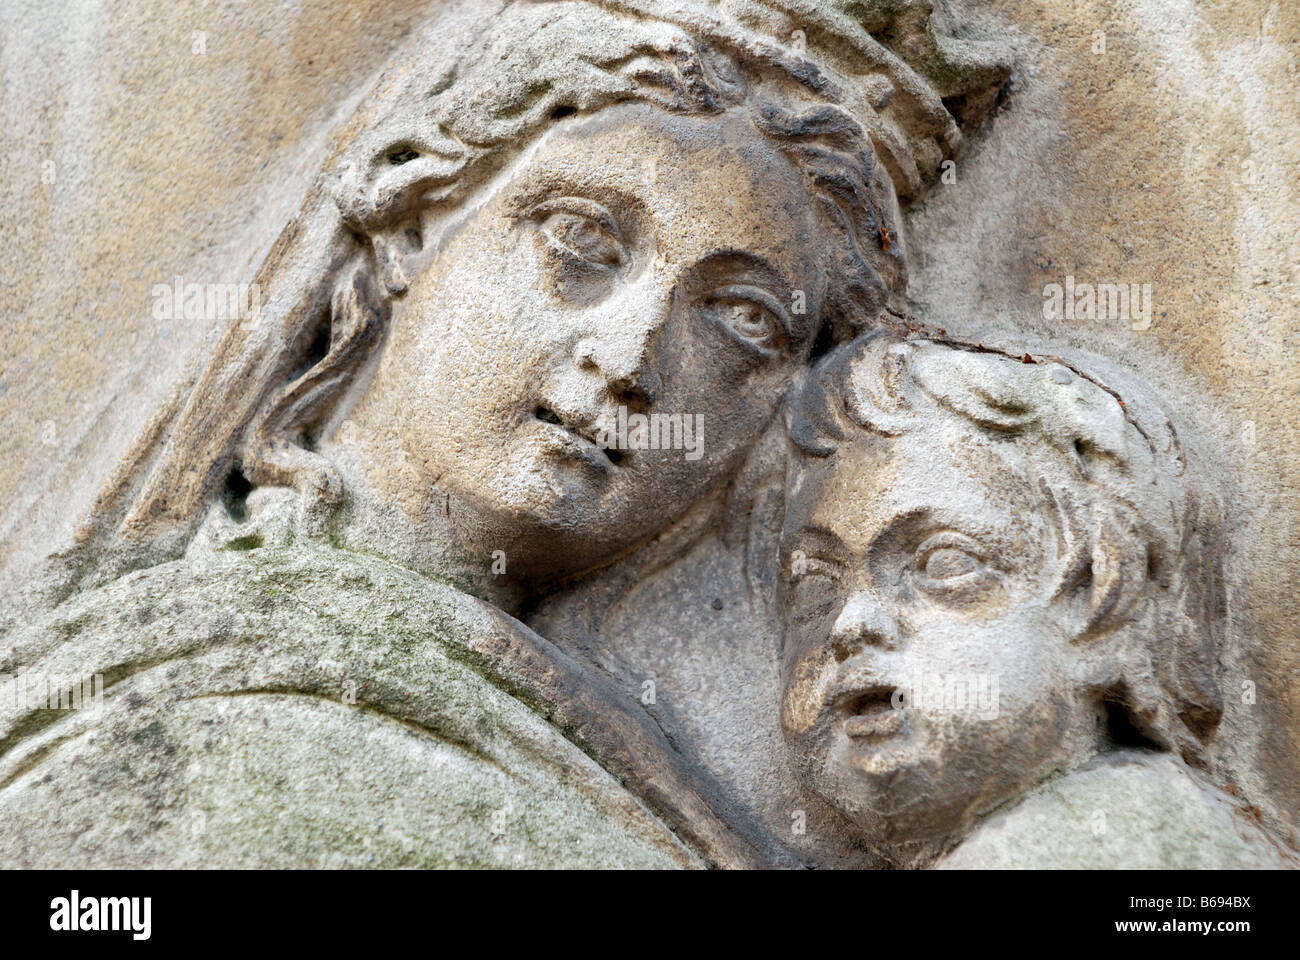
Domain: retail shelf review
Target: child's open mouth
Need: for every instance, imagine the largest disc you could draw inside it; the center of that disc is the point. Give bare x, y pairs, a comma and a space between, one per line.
871, 713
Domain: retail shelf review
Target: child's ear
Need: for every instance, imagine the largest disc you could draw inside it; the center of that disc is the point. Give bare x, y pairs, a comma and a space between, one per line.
1146, 628
1105, 578
1101, 663
1116, 677
1192, 617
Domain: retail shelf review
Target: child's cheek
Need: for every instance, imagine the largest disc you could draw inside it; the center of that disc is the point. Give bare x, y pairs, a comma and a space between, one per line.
805, 692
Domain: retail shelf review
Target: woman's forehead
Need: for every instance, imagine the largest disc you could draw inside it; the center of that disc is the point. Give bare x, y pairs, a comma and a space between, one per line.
704, 183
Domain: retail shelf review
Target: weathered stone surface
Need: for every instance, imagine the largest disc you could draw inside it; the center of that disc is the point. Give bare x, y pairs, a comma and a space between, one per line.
1127, 811
376, 572
298, 708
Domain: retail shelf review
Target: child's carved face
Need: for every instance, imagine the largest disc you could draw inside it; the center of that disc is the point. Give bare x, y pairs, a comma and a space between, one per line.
929, 675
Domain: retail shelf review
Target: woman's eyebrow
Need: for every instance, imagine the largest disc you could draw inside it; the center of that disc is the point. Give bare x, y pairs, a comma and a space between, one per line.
758, 268
533, 187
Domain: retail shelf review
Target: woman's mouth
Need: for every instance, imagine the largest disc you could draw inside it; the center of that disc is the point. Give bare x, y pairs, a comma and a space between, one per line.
575, 437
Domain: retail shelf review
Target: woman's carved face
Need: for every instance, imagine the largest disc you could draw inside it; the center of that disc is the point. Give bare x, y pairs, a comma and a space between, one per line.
632, 264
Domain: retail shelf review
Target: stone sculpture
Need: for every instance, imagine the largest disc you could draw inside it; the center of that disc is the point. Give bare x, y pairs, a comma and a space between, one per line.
1001, 570
395, 580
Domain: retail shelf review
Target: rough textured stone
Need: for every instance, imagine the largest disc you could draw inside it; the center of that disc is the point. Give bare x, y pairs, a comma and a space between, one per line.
482, 232
282, 708
1124, 812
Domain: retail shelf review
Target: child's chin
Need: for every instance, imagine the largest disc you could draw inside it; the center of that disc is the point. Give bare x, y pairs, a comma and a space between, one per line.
881, 755
877, 768
893, 814
873, 776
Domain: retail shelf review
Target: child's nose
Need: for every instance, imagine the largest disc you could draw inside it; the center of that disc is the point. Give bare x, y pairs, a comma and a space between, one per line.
864, 622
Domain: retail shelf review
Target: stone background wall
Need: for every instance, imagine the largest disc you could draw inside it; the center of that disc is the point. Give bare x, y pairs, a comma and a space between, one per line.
145, 141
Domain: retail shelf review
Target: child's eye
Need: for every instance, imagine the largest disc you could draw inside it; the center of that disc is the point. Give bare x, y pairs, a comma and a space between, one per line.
812, 593
803, 565
949, 562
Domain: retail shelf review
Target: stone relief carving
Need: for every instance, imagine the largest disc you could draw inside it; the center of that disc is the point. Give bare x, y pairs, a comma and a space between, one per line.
1001, 569
590, 298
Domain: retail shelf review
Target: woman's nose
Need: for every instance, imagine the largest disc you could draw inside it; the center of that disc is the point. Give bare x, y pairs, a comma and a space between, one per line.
624, 367
619, 344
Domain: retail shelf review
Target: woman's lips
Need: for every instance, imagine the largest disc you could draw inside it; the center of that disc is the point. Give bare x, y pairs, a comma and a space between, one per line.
558, 441
572, 439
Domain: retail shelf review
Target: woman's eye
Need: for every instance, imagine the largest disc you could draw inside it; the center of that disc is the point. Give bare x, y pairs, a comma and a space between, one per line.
581, 231
750, 314
583, 238
950, 562
751, 321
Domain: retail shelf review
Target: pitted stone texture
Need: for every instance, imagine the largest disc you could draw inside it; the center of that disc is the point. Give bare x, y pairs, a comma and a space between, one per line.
1133, 811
